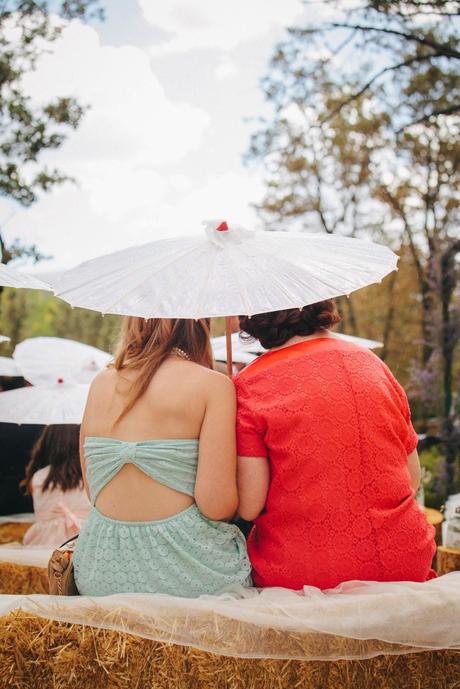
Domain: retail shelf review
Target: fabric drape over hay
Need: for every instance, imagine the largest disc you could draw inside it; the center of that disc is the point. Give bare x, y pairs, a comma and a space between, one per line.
355, 620
32, 555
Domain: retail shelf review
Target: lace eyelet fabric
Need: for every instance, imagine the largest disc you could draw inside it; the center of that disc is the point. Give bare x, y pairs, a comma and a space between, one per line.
335, 426
184, 555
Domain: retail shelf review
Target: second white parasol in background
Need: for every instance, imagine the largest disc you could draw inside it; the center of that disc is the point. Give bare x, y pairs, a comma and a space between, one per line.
8, 367
44, 404
245, 351
4, 338
226, 271
44, 360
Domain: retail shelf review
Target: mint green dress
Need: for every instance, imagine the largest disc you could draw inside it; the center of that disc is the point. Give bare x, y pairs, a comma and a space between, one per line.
183, 555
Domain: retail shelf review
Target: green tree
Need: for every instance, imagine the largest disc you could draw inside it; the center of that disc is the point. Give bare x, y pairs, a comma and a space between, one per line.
27, 129
31, 313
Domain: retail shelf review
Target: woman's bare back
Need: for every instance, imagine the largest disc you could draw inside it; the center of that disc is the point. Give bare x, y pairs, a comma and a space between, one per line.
173, 407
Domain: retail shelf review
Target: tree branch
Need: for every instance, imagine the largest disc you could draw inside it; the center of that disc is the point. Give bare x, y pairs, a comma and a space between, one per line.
437, 47
368, 84
451, 110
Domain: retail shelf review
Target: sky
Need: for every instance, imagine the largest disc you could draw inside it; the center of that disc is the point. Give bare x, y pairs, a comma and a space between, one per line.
173, 90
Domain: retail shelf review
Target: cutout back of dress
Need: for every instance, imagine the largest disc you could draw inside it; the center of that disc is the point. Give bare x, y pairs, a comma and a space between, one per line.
171, 462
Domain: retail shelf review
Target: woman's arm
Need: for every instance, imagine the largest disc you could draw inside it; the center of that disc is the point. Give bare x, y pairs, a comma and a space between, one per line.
82, 451
413, 464
253, 483
215, 487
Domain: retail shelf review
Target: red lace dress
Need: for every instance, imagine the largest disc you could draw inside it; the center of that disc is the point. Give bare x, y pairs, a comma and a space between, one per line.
335, 425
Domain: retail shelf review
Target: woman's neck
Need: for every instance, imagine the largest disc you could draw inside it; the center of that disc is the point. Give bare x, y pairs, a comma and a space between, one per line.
296, 339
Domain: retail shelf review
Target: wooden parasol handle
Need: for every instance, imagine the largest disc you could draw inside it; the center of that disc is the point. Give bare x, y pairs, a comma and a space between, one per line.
228, 336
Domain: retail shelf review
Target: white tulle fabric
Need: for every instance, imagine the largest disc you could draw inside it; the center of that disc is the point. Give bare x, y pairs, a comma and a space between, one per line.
355, 620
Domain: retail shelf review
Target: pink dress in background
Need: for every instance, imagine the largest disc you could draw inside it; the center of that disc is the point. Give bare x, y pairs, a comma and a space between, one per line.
59, 515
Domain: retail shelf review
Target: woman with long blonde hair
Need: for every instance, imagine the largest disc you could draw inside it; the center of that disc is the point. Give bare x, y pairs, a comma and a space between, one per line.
158, 456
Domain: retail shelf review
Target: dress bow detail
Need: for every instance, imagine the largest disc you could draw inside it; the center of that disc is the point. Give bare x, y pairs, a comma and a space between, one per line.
127, 452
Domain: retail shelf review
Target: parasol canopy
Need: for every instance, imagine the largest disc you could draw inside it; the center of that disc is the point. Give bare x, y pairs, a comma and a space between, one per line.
226, 271
44, 404
47, 360
10, 277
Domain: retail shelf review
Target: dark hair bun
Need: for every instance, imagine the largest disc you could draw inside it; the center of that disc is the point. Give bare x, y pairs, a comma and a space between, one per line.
277, 327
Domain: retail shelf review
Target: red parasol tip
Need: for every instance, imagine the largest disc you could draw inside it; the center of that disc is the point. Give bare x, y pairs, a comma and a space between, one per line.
223, 227
60, 380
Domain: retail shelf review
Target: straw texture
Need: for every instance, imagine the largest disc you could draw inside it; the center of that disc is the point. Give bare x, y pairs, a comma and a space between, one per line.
22, 579
12, 532
39, 653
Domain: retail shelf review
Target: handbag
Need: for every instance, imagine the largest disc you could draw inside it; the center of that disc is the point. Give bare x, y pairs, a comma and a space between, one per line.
61, 578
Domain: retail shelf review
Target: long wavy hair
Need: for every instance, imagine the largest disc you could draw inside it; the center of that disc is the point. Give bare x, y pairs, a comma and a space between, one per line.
58, 448
146, 343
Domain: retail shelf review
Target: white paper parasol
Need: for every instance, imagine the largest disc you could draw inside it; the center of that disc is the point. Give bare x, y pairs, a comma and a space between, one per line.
362, 341
47, 360
227, 271
44, 404
241, 352
8, 367
10, 277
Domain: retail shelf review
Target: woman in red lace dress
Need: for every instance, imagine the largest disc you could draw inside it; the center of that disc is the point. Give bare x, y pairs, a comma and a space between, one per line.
328, 465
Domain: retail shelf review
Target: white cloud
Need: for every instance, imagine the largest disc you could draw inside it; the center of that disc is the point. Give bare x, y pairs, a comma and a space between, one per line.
131, 131
72, 227
129, 155
226, 69
228, 196
215, 24
130, 117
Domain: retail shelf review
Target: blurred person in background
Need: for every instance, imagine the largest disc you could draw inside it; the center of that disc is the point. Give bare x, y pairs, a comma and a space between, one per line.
54, 480
16, 443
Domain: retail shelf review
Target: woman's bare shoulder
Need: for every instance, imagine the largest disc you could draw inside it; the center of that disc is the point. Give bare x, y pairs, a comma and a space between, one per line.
207, 379
103, 383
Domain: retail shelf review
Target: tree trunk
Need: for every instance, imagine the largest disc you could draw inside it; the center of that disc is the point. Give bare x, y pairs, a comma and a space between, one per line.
389, 319
352, 315
449, 339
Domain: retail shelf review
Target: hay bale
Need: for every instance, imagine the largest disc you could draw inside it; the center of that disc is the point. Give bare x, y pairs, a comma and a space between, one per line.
22, 579
13, 532
448, 560
40, 653
435, 518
